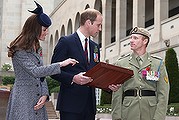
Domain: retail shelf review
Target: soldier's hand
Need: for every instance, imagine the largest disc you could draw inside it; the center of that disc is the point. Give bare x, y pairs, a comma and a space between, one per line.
114, 88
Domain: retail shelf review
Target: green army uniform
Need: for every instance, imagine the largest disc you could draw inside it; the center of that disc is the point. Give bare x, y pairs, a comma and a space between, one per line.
145, 95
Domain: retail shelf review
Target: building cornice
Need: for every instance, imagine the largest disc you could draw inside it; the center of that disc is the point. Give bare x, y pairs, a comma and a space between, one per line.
58, 6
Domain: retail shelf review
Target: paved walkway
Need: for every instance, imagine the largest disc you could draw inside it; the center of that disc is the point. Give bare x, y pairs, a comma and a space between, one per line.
108, 117
172, 118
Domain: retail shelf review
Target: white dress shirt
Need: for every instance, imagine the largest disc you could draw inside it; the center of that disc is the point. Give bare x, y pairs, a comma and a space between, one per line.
82, 39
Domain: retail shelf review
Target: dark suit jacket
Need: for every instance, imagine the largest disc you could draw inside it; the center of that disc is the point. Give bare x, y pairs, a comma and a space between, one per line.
73, 97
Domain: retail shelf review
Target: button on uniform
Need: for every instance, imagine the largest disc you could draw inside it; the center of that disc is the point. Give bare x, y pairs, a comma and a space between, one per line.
140, 98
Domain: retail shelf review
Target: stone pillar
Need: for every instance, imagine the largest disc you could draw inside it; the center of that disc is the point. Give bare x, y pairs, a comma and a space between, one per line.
160, 13
121, 18
139, 13
106, 26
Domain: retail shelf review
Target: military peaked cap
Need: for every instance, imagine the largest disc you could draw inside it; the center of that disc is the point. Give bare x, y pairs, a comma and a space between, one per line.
141, 31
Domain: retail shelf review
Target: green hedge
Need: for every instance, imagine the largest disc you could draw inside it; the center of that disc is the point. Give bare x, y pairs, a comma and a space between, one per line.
8, 80
105, 97
55, 89
105, 108
53, 85
173, 109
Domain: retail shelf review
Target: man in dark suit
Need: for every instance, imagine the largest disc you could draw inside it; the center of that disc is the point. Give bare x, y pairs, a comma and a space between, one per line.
77, 101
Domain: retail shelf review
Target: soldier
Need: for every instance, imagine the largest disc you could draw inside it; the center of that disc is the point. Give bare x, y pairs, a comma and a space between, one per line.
145, 95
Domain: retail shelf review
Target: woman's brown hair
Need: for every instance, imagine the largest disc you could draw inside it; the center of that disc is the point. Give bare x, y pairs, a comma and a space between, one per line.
28, 38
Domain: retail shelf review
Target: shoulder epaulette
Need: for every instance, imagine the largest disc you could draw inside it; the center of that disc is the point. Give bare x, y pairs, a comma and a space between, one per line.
123, 56
157, 57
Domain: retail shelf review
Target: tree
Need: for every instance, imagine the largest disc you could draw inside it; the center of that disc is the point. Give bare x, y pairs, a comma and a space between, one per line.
171, 63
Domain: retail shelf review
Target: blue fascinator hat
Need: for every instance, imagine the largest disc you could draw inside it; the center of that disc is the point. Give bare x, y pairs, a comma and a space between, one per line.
42, 18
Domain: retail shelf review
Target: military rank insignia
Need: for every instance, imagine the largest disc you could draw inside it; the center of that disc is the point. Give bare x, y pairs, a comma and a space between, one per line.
166, 79
150, 75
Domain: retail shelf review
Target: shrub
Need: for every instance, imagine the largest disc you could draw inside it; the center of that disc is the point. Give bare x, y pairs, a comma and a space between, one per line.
171, 63
52, 84
8, 80
105, 97
106, 108
173, 109
6, 67
55, 89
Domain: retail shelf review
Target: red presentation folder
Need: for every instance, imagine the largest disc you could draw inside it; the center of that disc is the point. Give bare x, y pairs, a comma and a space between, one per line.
104, 74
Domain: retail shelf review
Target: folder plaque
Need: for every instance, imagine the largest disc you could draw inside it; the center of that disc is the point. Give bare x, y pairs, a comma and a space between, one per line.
104, 74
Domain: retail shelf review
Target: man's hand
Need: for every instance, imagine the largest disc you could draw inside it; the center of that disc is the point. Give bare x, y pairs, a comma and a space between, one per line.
114, 88
81, 79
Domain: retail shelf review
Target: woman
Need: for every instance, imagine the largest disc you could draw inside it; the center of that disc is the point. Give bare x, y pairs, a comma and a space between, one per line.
30, 91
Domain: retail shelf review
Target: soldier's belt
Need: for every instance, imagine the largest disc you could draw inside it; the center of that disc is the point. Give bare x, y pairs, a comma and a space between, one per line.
136, 92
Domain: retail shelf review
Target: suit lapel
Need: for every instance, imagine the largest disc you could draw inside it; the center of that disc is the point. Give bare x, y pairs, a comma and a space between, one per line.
91, 50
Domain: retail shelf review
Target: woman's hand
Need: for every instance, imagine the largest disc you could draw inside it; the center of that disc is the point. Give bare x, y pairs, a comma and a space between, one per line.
68, 61
40, 103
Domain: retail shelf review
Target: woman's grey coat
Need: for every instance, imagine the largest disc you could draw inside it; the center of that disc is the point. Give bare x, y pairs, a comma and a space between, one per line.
28, 87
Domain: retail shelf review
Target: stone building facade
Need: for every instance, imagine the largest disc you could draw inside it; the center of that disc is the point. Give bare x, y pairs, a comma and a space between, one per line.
160, 17
13, 14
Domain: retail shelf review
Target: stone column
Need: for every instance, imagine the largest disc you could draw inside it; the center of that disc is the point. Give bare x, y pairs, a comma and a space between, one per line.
139, 13
160, 13
106, 26
121, 18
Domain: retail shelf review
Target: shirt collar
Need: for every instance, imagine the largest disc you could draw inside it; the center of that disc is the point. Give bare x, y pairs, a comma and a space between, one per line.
81, 36
142, 57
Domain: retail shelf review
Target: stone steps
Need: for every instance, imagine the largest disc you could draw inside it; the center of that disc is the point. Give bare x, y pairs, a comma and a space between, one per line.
51, 111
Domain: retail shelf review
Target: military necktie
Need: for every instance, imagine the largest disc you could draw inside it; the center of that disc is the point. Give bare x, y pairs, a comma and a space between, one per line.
139, 60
